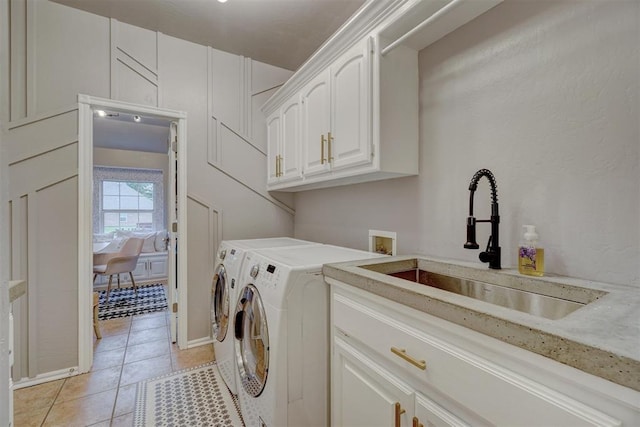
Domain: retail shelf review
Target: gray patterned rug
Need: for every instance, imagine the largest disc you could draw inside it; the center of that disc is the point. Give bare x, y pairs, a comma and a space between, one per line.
124, 302
193, 397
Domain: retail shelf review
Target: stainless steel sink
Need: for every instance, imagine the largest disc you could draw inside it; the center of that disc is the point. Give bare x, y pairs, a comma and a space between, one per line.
524, 300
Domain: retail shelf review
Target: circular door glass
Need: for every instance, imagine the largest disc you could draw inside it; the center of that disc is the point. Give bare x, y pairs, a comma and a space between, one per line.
220, 304
252, 341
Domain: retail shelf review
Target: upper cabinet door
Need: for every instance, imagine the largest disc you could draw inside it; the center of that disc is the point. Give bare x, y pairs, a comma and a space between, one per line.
350, 142
315, 124
273, 147
290, 140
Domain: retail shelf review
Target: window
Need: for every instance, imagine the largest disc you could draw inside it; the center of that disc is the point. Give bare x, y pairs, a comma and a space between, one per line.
127, 205
127, 199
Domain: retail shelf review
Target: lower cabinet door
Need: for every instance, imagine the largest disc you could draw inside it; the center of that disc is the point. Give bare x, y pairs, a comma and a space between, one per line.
157, 267
364, 394
430, 414
140, 272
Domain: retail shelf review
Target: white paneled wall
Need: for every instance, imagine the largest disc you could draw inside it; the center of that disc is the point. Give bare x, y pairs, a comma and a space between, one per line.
58, 52
69, 54
134, 64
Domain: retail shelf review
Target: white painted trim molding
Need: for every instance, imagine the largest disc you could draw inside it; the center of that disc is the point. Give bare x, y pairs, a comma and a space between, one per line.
46, 377
86, 106
200, 342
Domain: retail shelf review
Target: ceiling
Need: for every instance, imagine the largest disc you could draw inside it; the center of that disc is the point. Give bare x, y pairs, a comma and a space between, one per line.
121, 132
278, 32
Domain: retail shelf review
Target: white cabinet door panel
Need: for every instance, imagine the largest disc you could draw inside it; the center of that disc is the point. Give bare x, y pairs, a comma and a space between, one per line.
315, 124
157, 267
430, 414
350, 108
273, 146
365, 394
290, 140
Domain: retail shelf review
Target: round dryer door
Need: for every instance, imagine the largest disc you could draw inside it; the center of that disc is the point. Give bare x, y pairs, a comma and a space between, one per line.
220, 304
252, 341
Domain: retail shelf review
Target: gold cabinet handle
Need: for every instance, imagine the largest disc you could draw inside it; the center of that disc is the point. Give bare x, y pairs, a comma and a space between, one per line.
277, 171
420, 364
416, 422
398, 413
329, 140
281, 159
322, 141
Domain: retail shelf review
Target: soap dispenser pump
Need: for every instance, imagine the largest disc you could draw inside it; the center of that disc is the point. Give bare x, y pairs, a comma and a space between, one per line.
530, 255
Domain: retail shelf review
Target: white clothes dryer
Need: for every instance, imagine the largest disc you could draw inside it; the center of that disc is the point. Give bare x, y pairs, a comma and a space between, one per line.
223, 297
281, 330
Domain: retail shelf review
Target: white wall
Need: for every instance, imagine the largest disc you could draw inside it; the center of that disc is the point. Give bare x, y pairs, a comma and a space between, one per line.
545, 95
4, 243
58, 52
4, 226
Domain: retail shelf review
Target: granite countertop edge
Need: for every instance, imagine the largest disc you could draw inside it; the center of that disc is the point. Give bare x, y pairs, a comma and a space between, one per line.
581, 340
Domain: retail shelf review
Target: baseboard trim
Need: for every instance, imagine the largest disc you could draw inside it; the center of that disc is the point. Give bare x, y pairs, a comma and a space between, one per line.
198, 342
46, 377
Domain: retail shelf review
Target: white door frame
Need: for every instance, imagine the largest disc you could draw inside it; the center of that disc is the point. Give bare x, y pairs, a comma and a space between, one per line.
86, 106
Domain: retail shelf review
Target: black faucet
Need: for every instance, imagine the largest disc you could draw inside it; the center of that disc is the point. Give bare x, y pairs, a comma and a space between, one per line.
492, 253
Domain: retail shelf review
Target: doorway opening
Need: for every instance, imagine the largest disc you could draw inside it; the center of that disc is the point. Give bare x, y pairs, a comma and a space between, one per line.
136, 155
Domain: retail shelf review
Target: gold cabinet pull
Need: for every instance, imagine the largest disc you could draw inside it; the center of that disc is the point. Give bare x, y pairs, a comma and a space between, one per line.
329, 140
420, 364
398, 413
416, 422
322, 141
277, 166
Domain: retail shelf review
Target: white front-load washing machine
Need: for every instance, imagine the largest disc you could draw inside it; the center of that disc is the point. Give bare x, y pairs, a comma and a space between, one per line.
281, 330
223, 297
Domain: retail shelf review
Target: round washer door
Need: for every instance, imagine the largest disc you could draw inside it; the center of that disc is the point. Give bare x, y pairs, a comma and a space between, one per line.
220, 304
252, 341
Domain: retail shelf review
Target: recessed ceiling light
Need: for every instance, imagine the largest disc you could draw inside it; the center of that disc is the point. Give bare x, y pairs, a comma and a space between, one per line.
136, 119
222, 1
101, 113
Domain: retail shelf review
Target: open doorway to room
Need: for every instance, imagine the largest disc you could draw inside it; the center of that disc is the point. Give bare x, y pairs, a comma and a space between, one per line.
132, 193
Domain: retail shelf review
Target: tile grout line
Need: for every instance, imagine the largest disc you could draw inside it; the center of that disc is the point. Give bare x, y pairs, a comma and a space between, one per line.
124, 357
53, 402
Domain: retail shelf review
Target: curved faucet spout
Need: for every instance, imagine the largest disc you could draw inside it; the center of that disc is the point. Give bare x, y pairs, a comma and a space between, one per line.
492, 253
473, 186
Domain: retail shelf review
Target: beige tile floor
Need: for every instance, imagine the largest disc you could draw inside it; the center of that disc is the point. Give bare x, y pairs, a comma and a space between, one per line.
132, 349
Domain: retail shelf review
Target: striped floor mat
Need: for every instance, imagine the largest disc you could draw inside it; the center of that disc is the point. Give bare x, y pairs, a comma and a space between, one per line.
123, 302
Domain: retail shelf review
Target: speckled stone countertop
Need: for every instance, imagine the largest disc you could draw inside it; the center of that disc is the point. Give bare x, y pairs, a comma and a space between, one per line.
601, 338
17, 288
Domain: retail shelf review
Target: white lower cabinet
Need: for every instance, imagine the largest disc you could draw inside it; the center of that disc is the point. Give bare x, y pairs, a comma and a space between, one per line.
395, 366
366, 394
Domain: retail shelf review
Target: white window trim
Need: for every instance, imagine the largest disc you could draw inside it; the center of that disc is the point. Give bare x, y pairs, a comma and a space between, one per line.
108, 173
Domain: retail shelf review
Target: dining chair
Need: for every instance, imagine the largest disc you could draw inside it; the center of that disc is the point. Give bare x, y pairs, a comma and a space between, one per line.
117, 263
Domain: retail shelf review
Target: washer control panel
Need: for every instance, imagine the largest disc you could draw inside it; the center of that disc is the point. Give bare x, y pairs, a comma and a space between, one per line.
269, 274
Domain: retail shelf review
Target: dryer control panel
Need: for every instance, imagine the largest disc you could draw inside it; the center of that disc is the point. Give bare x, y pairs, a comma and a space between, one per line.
268, 275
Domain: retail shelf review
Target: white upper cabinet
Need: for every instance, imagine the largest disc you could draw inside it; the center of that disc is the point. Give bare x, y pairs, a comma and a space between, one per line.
290, 144
283, 143
315, 124
349, 141
358, 119
273, 147
337, 115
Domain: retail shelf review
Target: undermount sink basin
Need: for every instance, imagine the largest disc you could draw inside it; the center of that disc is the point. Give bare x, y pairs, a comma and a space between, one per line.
514, 292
